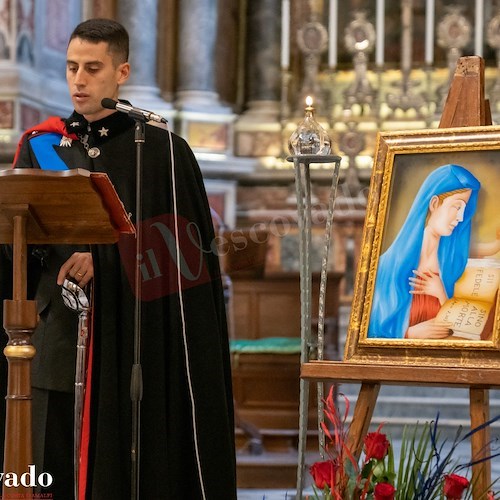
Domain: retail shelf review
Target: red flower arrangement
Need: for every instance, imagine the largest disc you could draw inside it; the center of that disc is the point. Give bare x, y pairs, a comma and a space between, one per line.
421, 471
323, 474
454, 486
341, 477
376, 445
384, 491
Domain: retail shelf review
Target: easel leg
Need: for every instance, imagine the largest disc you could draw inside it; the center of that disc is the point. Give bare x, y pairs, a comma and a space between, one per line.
480, 441
362, 417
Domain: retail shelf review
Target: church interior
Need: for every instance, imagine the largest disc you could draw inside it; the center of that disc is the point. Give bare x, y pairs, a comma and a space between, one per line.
232, 78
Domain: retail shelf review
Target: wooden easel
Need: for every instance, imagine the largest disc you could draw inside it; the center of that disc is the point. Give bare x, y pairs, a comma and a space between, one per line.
465, 106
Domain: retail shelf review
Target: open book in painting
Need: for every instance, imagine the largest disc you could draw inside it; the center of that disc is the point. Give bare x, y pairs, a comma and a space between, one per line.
473, 300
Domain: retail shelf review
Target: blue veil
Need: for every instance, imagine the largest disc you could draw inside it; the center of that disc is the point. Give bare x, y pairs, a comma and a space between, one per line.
391, 300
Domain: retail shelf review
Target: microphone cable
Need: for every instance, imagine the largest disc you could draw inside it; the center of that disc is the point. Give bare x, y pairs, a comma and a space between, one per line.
183, 315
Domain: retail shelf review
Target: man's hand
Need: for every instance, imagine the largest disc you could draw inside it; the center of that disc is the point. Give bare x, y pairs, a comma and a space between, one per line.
79, 267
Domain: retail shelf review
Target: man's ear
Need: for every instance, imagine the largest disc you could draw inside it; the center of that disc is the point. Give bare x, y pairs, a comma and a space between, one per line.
123, 73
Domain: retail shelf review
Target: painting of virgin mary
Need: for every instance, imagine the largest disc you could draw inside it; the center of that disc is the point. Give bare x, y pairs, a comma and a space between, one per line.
417, 273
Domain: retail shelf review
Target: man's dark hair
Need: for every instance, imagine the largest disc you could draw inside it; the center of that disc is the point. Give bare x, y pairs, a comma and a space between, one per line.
105, 30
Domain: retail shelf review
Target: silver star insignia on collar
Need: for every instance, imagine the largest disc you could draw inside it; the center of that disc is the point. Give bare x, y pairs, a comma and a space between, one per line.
65, 142
103, 131
74, 124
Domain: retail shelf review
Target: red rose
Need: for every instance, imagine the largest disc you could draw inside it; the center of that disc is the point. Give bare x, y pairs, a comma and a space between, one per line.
384, 491
376, 445
454, 486
323, 474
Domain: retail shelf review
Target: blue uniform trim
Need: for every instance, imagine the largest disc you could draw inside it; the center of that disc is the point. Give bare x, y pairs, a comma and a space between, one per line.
43, 147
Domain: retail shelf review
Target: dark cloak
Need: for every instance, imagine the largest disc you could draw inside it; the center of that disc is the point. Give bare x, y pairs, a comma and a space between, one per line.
170, 372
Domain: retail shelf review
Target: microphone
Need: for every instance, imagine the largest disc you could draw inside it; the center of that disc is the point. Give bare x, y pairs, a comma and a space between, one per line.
149, 116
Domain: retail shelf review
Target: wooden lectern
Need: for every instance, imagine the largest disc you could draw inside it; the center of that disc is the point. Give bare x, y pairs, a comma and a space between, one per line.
43, 207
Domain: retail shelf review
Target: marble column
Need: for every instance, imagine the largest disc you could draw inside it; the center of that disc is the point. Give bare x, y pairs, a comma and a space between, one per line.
140, 19
196, 66
263, 79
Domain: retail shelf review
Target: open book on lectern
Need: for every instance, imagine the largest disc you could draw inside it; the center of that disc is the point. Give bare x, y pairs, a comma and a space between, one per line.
62, 207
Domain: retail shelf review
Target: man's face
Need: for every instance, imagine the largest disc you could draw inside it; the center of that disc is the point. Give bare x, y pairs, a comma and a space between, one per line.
92, 74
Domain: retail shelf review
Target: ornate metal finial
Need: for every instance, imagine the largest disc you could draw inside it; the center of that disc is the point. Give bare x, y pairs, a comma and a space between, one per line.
312, 40
352, 142
453, 34
360, 41
405, 99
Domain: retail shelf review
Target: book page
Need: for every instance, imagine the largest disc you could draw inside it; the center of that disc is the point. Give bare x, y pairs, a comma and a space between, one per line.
468, 317
478, 283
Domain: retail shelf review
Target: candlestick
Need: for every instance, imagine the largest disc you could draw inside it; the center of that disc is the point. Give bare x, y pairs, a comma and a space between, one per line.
285, 34
429, 32
332, 34
379, 45
478, 42
407, 38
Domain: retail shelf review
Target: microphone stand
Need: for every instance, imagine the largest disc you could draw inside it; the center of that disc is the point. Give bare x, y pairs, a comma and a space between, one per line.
136, 375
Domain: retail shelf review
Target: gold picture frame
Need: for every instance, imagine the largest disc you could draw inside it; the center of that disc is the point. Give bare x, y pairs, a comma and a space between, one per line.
407, 168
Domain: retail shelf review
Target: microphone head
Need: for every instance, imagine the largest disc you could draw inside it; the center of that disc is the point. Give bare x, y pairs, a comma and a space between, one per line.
109, 103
